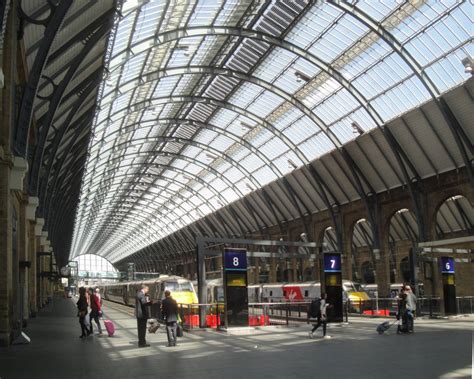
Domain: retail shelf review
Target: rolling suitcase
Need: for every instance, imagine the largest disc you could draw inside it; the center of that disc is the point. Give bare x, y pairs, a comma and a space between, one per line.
110, 327
384, 326
179, 331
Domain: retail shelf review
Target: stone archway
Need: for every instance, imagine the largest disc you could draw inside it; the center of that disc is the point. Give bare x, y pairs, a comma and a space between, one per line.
362, 246
329, 240
454, 218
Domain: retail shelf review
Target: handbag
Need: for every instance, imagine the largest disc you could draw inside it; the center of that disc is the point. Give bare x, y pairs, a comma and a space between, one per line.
81, 313
179, 330
153, 325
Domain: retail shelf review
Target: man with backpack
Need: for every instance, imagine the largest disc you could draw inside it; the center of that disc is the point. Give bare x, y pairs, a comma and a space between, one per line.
317, 310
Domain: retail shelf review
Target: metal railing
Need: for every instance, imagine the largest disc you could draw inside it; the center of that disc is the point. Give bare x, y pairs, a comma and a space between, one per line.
387, 307
465, 304
284, 313
296, 313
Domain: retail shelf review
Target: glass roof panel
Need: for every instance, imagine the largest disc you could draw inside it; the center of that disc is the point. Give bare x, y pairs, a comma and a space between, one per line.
277, 107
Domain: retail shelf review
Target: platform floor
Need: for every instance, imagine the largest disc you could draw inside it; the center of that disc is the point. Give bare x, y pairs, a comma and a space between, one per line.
438, 349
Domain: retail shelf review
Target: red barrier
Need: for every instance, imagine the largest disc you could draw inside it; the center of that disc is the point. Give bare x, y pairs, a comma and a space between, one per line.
259, 320
380, 312
264, 320
212, 321
191, 320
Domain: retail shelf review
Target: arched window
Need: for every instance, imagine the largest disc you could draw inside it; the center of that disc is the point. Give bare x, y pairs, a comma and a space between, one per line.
95, 267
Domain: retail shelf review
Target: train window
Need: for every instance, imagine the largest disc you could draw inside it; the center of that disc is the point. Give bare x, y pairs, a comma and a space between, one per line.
176, 286
306, 293
271, 293
284, 293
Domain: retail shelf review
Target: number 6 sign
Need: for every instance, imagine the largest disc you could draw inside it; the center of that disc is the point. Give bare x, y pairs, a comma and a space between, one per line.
447, 265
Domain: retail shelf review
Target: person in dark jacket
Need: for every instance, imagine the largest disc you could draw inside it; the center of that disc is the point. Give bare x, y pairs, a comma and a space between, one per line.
82, 312
95, 310
169, 311
142, 302
402, 309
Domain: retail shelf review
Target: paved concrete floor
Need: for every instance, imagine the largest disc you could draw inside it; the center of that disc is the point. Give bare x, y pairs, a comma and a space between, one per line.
438, 349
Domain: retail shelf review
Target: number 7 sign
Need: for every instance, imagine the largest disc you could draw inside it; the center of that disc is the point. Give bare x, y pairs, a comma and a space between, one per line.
332, 263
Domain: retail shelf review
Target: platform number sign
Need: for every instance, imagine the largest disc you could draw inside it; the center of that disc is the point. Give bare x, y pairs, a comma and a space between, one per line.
447, 265
332, 262
235, 260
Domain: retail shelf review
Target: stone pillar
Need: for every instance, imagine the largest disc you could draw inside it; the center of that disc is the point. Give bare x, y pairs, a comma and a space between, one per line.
272, 275
32, 275
23, 251
5, 252
347, 255
8, 65
382, 272
39, 280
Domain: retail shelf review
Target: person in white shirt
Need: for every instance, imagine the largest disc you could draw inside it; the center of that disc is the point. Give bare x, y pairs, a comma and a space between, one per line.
322, 317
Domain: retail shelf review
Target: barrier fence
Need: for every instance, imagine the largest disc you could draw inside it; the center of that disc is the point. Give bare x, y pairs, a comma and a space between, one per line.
295, 313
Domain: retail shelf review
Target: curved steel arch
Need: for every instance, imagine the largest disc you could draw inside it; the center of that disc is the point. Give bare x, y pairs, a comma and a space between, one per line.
182, 157
54, 23
62, 132
351, 164
196, 31
217, 103
180, 170
206, 125
142, 220
188, 188
161, 205
191, 143
209, 70
133, 212
208, 168
54, 105
179, 33
84, 120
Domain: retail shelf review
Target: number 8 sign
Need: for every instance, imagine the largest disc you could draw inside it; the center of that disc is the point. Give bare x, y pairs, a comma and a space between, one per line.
235, 260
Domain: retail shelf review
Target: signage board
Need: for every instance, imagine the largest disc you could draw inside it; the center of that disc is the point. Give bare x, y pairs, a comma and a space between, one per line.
332, 262
447, 265
235, 260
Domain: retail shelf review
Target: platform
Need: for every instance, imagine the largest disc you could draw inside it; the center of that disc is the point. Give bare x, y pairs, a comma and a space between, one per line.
438, 349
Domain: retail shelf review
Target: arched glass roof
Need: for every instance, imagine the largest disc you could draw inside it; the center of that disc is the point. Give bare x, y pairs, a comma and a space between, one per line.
93, 264
206, 101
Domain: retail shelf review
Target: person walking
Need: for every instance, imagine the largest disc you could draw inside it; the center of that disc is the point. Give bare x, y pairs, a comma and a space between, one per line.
142, 302
95, 311
169, 311
410, 308
97, 294
82, 312
402, 308
321, 317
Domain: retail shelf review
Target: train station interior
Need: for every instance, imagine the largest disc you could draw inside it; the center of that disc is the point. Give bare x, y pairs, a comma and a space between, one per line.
250, 156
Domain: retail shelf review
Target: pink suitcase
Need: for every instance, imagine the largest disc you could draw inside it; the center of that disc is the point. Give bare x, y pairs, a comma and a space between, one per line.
109, 325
